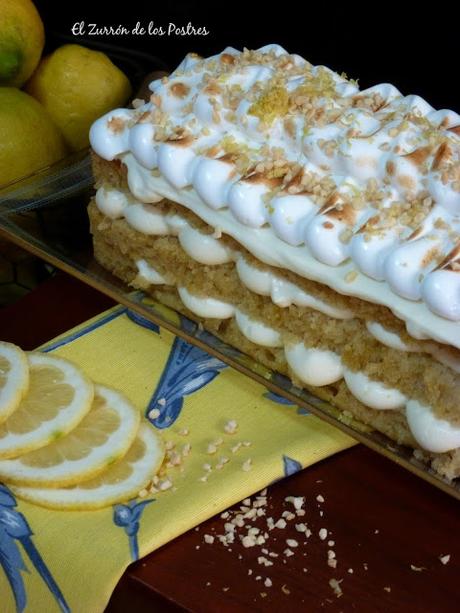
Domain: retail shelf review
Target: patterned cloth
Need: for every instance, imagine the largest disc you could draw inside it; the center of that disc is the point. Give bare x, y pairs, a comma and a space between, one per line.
71, 561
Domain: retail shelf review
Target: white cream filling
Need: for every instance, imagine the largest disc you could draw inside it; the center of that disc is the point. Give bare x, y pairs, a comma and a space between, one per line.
431, 432
147, 275
315, 367
204, 248
373, 394
256, 331
111, 202
284, 293
446, 355
388, 338
206, 307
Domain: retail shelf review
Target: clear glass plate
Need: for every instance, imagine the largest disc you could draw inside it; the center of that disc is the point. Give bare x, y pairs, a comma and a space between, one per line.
46, 215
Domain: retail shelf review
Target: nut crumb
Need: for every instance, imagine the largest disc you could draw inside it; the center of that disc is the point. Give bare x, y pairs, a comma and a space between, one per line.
417, 569
285, 590
335, 585
387, 589
153, 414
297, 501
444, 559
164, 484
351, 276
231, 427
292, 543
301, 527
268, 582
247, 465
248, 541
209, 539
319, 498
322, 534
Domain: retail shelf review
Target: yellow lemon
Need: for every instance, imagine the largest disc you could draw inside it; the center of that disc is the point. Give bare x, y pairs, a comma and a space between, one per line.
122, 481
14, 378
58, 398
102, 437
22, 38
29, 140
77, 85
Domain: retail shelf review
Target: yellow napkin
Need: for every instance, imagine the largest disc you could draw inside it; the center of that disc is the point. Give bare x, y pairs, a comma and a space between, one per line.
71, 561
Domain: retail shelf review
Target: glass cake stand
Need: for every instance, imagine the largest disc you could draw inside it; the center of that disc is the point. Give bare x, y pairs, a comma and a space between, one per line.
46, 215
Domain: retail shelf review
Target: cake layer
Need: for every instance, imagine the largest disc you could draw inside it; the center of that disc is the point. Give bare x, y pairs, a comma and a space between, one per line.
319, 349
260, 328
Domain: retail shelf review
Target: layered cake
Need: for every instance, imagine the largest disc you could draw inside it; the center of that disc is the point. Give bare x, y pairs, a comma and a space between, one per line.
313, 225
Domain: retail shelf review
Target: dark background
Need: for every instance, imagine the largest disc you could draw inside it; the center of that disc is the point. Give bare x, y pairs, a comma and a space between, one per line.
415, 46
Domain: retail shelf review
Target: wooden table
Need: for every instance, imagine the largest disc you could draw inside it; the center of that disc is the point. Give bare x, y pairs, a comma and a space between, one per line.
388, 527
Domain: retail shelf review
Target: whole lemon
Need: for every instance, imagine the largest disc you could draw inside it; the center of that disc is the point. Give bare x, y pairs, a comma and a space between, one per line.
29, 140
77, 85
22, 38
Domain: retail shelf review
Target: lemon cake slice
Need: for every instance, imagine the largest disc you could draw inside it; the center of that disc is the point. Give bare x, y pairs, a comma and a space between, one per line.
313, 225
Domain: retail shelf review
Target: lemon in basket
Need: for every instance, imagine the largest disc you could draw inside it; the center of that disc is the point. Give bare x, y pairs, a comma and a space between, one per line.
29, 140
22, 38
77, 85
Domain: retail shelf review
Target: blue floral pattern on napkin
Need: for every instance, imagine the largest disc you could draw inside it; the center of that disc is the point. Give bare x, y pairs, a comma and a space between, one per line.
187, 370
128, 516
15, 531
290, 466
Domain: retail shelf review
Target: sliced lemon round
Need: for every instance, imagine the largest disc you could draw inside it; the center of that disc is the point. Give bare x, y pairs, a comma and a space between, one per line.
58, 398
122, 481
102, 437
14, 378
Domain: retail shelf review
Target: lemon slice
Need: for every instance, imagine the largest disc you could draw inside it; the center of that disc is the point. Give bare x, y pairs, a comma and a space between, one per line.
102, 437
122, 481
58, 398
14, 378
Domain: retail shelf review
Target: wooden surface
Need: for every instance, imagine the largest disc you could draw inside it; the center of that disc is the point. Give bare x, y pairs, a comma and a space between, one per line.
382, 520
